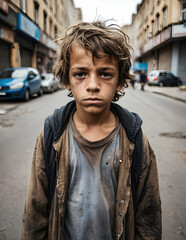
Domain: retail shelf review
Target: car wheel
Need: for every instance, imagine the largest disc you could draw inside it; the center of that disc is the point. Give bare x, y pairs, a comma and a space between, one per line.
51, 90
27, 95
40, 93
161, 84
179, 84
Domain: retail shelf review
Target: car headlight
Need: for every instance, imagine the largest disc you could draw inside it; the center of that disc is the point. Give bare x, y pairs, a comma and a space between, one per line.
17, 85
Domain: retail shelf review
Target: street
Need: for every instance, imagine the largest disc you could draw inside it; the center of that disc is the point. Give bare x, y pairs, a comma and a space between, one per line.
163, 122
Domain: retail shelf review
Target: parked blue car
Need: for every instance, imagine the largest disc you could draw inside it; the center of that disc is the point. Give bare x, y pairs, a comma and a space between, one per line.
20, 83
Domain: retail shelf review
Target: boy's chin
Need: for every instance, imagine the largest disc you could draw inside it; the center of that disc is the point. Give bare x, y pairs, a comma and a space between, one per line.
94, 109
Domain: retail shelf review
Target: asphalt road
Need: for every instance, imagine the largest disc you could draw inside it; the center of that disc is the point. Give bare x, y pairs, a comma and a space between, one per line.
163, 121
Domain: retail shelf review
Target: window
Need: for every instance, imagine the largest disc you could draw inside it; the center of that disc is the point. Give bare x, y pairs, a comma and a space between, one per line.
158, 21
183, 11
36, 11
45, 21
152, 27
55, 31
23, 5
17, 73
164, 16
31, 75
50, 27
170, 75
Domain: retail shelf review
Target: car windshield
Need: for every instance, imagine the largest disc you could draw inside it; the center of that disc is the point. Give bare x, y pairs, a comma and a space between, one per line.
167, 74
171, 75
45, 76
13, 73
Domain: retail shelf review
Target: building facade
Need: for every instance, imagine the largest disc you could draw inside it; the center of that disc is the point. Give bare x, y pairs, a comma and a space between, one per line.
160, 39
29, 30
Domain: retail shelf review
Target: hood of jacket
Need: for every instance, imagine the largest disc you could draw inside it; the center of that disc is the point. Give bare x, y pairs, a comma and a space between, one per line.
58, 121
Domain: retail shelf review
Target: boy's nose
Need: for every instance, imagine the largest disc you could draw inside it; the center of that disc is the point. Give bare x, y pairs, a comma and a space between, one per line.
93, 83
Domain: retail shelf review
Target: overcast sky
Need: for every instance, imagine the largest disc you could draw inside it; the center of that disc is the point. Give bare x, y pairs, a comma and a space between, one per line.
119, 10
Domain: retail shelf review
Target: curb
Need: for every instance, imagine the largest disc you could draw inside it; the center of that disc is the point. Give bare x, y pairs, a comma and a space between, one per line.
170, 96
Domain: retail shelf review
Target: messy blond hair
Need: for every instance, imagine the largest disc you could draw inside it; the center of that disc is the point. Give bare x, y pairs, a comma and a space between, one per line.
100, 40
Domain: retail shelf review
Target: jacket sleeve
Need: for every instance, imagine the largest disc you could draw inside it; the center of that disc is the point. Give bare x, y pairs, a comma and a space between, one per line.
35, 217
148, 213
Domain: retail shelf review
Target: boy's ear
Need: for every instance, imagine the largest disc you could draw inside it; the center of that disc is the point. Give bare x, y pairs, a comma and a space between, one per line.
68, 87
119, 87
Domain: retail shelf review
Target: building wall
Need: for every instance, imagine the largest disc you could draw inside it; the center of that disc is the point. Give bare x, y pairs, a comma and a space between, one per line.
160, 35
16, 2
131, 31
148, 11
53, 13
76, 16
21, 46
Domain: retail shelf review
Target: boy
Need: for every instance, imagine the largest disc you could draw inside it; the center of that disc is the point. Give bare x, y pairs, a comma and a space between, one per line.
83, 182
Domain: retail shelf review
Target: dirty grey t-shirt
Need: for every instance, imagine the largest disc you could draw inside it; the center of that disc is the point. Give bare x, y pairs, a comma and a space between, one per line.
90, 210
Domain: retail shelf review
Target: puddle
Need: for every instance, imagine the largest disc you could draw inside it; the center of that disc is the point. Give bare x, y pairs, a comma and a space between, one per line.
2, 112
6, 124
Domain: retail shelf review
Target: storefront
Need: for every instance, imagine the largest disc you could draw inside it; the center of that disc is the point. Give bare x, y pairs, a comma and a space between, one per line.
27, 36
5, 50
41, 56
26, 49
179, 48
50, 62
46, 51
182, 61
7, 24
164, 57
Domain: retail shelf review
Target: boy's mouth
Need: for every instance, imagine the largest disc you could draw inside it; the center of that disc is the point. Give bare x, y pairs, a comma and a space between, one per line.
92, 100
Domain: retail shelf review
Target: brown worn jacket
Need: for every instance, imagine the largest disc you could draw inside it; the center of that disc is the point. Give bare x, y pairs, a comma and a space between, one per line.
145, 224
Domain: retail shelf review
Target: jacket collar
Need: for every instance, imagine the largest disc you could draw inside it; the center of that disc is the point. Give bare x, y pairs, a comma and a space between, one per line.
60, 118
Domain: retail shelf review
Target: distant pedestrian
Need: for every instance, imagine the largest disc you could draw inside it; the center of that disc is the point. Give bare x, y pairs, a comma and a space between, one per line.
94, 173
132, 82
143, 79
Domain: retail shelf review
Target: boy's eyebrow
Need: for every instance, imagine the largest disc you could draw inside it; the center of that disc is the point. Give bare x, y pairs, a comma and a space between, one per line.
79, 68
106, 68
86, 68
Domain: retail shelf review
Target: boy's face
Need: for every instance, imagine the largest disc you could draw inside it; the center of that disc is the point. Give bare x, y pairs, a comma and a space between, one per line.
93, 85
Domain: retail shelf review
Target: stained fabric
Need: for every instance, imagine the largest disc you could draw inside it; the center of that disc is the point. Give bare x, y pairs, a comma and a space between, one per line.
93, 173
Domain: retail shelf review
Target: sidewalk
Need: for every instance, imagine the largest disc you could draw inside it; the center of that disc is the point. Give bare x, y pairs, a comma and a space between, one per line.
177, 93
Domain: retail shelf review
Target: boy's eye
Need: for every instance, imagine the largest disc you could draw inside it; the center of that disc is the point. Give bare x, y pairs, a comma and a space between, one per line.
80, 75
106, 75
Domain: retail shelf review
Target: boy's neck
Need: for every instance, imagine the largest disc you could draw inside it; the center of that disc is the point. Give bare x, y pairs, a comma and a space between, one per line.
94, 127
